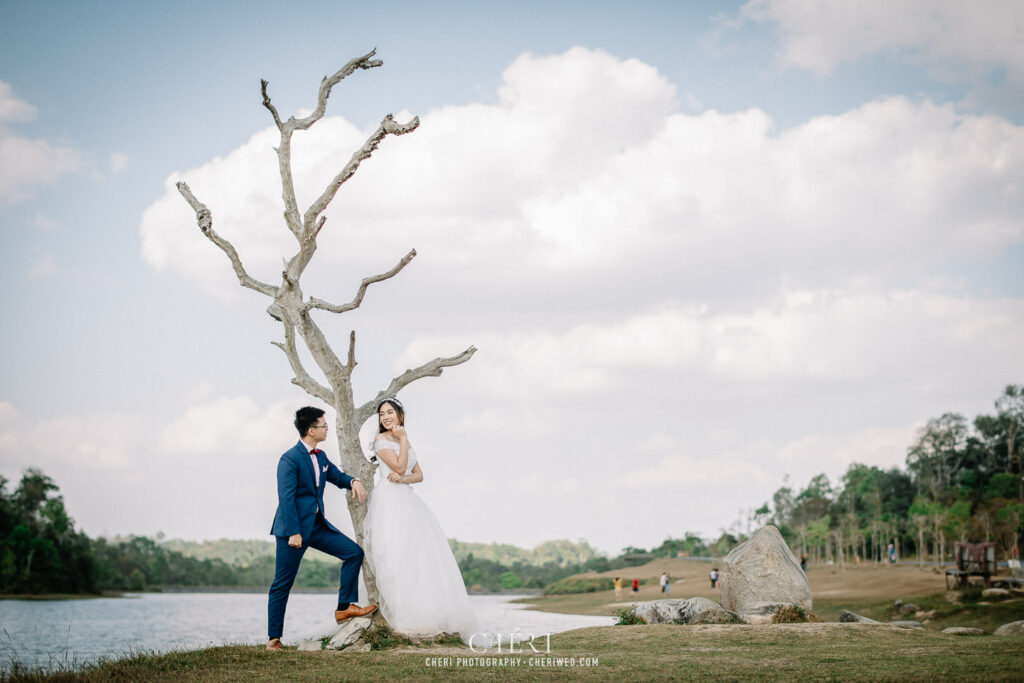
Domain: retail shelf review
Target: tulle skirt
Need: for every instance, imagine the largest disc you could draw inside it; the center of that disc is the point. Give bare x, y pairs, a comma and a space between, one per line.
421, 588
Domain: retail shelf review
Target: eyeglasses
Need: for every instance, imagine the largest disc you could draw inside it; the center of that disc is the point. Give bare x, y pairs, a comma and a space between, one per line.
319, 427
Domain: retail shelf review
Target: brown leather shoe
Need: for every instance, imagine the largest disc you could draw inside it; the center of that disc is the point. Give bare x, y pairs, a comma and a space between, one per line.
274, 644
353, 611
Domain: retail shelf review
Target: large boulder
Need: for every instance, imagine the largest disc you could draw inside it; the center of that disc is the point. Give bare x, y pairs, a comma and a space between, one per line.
761, 572
1014, 628
692, 611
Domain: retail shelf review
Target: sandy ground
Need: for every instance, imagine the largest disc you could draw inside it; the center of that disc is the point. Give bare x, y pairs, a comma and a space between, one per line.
857, 584
865, 581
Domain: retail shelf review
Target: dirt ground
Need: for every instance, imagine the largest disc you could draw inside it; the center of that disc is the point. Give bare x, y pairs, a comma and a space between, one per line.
856, 584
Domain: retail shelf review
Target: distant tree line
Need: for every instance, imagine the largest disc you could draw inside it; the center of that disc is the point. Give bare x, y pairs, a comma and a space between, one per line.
41, 552
963, 482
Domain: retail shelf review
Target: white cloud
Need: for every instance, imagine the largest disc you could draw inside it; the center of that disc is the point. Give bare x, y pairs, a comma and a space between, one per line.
13, 110
26, 163
227, 425
821, 336
604, 183
118, 162
43, 266
819, 35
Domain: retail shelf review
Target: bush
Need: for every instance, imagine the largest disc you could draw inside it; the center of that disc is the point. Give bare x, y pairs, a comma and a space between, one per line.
628, 617
791, 614
579, 585
381, 637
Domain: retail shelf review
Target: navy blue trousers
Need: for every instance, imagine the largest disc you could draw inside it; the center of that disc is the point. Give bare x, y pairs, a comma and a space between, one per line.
287, 566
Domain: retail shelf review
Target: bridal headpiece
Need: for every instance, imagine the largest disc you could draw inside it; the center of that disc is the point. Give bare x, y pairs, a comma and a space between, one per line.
390, 399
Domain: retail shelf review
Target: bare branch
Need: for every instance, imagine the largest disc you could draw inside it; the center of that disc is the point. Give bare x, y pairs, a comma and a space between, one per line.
351, 352
431, 369
327, 84
268, 105
205, 220
387, 127
302, 378
367, 281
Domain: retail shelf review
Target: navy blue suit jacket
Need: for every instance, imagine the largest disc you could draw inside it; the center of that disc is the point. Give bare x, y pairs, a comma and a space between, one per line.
298, 495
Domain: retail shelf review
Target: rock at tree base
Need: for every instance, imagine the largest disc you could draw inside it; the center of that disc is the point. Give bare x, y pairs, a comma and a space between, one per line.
692, 611
847, 617
963, 631
348, 633
340, 638
1014, 628
760, 573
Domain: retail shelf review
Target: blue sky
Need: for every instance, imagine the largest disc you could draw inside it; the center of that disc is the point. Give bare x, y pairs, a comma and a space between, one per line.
821, 248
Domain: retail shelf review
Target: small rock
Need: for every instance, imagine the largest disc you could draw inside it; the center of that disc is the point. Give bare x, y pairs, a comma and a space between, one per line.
953, 597
1014, 628
348, 633
848, 617
310, 644
925, 616
907, 607
963, 631
995, 593
907, 624
683, 612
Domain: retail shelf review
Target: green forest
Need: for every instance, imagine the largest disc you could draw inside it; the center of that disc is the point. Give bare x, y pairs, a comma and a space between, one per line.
962, 481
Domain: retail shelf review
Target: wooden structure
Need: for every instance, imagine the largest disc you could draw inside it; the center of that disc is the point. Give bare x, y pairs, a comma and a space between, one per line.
972, 559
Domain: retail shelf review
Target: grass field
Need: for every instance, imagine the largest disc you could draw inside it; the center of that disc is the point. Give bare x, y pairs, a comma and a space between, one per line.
818, 651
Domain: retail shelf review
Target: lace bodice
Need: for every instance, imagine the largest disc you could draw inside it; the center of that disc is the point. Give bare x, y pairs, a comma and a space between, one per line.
386, 444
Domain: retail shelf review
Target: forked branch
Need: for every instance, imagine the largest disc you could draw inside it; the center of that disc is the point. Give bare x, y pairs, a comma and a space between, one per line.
302, 378
387, 127
367, 281
431, 369
328, 83
205, 220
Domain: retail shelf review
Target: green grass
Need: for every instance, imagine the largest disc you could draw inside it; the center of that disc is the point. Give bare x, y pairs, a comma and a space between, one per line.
622, 653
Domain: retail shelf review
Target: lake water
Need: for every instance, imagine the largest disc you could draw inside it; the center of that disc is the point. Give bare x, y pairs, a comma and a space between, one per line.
51, 633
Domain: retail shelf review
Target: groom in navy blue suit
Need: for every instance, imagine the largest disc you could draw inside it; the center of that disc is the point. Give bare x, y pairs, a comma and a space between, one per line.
299, 523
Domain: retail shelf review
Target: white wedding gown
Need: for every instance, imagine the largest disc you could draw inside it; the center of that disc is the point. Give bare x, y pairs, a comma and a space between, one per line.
421, 588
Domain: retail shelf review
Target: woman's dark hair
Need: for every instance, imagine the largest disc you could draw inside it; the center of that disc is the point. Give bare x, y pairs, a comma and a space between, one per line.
305, 417
398, 409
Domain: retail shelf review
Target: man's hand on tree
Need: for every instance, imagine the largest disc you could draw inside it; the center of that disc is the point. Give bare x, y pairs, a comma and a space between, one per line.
359, 490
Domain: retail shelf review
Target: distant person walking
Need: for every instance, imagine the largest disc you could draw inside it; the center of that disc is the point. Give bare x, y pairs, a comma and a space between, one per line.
892, 553
636, 586
713, 576
663, 581
668, 584
618, 587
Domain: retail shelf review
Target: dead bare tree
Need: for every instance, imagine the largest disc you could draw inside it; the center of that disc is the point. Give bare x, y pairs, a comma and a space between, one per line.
292, 309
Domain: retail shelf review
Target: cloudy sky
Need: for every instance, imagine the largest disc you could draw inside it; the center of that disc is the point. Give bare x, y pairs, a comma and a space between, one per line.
699, 246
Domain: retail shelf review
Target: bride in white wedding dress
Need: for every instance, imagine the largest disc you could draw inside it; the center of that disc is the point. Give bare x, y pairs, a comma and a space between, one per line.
421, 587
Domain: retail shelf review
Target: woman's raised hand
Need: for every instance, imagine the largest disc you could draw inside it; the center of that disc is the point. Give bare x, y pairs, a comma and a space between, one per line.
399, 432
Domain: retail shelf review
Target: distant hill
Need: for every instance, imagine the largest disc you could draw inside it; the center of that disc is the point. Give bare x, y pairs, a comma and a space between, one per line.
235, 552
241, 553
561, 553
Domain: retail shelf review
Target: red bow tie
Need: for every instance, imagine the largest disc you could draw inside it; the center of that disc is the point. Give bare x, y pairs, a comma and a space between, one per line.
315, 451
